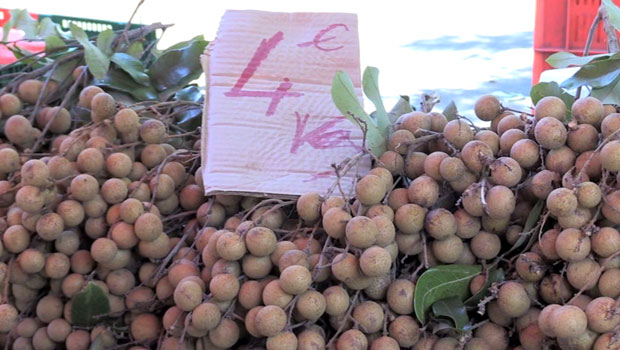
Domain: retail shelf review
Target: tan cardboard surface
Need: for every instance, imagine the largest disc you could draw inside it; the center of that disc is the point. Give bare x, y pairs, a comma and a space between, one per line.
270, 127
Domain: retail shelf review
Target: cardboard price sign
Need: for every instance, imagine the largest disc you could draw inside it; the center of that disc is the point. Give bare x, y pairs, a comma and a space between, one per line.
270, 126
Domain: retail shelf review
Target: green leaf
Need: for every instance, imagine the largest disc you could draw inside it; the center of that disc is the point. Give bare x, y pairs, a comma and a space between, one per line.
370, 85
97, 62
609, 94
614, 13
595, 74
441, 282
64, 70
53, 42
401, 107
450, 111
454, 309
565, 59
189, 118
46, 28
493, 275
119, 80
88, 304
345, 99
97, 344
132, 66
177, 66
544, 89
135, 50
21, 20
104, 41
530, 222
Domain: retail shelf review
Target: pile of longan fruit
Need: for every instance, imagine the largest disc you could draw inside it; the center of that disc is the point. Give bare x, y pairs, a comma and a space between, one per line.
115, 202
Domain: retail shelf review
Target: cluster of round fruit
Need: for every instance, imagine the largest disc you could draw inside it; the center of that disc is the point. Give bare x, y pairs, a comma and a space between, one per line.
113, 203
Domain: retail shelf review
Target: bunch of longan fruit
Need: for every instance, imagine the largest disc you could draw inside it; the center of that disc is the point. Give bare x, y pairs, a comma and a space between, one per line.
114, 201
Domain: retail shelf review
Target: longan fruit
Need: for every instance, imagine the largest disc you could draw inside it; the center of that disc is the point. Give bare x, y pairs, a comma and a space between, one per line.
71, 212
589, 194
352, 339
423, 191
34, 173
29, 90
583, 274
308, 207
255, 266
114, 191
295, 279
485, 245
58, 330
152, 155
145, 327
162, 186
310, 305
579, 218
335, 221
130, 210
583, 137
550, 106
432, 164
84, 187
405, 330
447, 250
148, 227
440, 223
609, 125
413, 121
475, 154
361, 232
41, 341
370, 190
19, 130
282, 341
10, 105
187, 295
509, 122
606, 241
458, 132
57, 265
409, 244
375, 261
8, 317
601, 314
610, 205
609, 283
400, 296
550, 133
490, 138
102, 106
369, 315
260, 241
126, 120
26, 327
224, 286
103, 250
525, 152
513, 299
399, 141
502, 202
392, 161
152, 131
49, 308
467, 226
268, 217
31, 260
567, 321
230, 246
118, 164
472, 200
610, 159
29, 199
49, 226
414, 164
191, 197
270, 320
9, 160
588, 110
572, 245
487, 108
273, 294
451, 168
562, 202
345, 268
509, 138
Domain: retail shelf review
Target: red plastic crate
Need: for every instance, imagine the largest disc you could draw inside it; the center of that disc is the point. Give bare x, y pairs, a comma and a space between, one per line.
563, 25
5, 14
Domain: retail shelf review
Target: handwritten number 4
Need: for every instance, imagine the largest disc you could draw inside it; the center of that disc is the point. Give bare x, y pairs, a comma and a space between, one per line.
259, 56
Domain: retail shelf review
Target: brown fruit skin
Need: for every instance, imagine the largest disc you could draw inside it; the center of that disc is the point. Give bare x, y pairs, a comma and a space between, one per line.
448, 250
370, 190
505, 171
399, 141
485, 245
588, 110
609, 283
145, 327
432, 164
583, 137
270, 320
502, 202
405, 330
606, 342
413, 121
567, 321
475, 154
509, 122
487, 108
509, 138
572, 245
458, 132
611, 206
392, 161
10, 105
400, 296
561, 202
602, 315
423, 191
352, 339
550, 133
19, 130
583, 274
440, 223
513, 299
610, 156
525, 152
102, 107
550, 106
